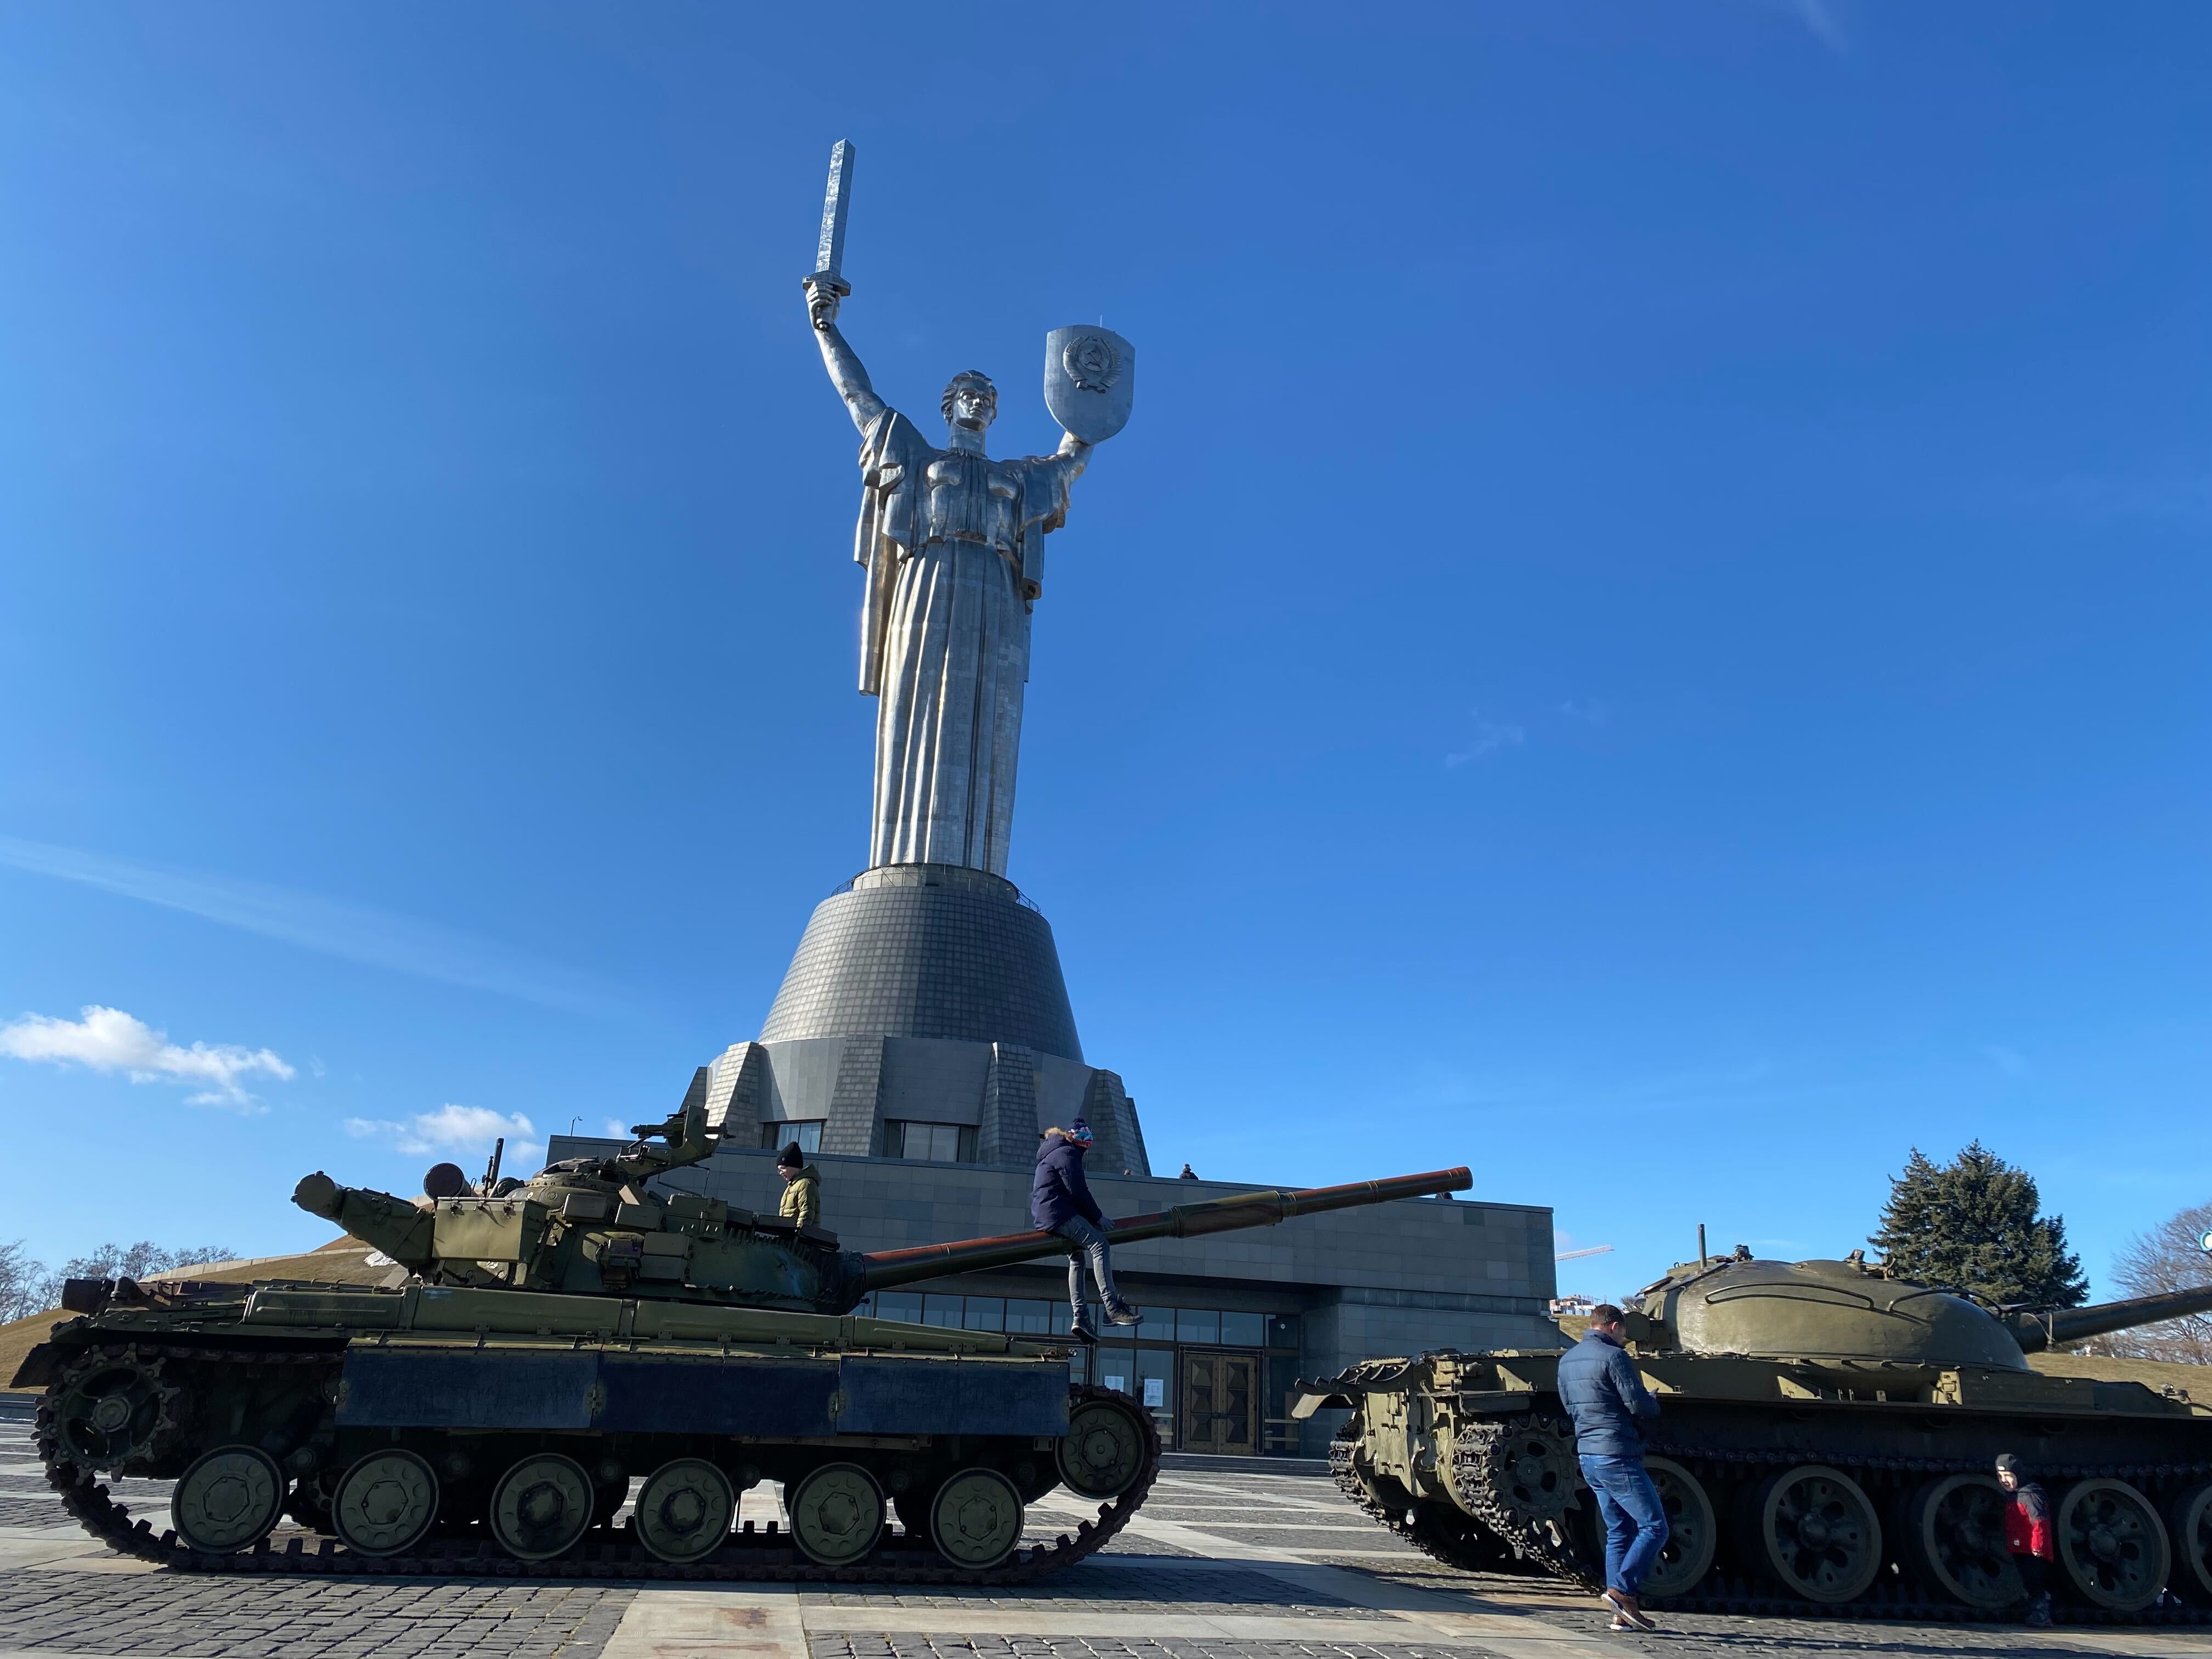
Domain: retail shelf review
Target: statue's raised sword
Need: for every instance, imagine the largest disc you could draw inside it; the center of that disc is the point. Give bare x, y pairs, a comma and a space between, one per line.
836, 206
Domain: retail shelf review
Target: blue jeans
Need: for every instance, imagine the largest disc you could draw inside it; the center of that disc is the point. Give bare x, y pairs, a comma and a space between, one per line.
1635, 1519
1090, 1241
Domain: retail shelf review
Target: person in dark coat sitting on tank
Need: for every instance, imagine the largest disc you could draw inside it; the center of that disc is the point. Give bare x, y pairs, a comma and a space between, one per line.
1602, 1393
1060, 1202
2028, 1535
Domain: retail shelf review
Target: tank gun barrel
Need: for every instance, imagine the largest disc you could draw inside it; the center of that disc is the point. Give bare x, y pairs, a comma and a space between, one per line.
2062, 1327
884, 1269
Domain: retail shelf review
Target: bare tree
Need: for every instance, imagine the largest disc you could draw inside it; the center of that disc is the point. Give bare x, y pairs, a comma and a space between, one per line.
144, 1260
29, 1286
2169, 1257
25, 1286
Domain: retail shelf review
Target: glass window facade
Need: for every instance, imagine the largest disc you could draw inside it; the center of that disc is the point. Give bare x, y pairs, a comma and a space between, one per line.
806, 1131
943, 1310
1198, 1325
940, 1143
1150, 1362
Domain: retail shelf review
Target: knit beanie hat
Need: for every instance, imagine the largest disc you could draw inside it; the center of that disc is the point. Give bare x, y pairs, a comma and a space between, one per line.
1079, 1133
791, 1157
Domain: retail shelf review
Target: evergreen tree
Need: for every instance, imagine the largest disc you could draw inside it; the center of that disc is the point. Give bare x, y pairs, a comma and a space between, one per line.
1971, 1224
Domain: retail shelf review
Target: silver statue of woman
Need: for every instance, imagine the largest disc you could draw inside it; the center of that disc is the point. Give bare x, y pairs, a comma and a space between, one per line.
953, 545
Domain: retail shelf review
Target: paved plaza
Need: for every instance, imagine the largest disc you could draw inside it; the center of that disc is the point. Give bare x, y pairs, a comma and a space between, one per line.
1224, 1562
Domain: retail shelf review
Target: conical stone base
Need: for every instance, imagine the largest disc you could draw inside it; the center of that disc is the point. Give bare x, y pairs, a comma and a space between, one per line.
927, 950
931, 995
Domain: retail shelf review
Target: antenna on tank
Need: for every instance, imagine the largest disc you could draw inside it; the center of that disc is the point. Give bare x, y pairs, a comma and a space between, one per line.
1702, 1262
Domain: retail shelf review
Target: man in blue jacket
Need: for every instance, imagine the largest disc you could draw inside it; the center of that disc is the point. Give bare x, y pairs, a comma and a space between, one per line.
1060, 1202
1602, 1393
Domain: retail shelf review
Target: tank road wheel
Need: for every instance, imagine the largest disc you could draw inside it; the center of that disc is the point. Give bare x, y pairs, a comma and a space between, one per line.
836, 1514
2112, 1545
1692, 1530
684, 1510
2189, 1521
110, 1410
385, 1503
541, 1507
1954, 1541
1103, 1451
976, 1519
1817, 1532
1538, 1472
227, 1499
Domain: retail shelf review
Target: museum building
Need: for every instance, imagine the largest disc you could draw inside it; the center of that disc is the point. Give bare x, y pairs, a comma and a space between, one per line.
922, 1042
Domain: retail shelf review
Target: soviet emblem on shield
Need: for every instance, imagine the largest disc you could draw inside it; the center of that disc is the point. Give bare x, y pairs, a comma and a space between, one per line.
1089, 376
1092, 362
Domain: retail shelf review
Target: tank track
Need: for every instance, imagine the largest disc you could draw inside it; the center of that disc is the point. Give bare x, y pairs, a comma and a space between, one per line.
1561, 1552
602, 1555
1463, 1546
1478, 1453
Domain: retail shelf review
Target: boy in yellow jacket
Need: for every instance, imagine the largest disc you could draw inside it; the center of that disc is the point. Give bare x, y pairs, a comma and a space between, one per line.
802, 1188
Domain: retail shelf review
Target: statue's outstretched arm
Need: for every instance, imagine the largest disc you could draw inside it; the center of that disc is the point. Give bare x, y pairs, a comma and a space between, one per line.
845, 371
1075, 450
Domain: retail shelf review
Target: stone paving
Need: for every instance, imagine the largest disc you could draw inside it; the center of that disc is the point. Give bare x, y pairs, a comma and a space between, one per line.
1221, 1564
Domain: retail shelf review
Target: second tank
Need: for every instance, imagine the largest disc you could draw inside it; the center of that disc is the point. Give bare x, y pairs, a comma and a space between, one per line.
1826, 1443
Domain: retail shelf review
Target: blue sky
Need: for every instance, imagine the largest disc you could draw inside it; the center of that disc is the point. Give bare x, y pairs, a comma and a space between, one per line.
1647, 636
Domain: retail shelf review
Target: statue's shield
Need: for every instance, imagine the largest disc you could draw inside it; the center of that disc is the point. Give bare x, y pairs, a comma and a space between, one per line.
1089, 374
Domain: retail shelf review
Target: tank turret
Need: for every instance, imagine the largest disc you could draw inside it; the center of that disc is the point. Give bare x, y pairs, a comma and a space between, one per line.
595, 1226
1857, 1312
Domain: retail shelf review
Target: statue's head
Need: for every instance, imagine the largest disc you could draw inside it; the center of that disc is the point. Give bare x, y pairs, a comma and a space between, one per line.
971, 402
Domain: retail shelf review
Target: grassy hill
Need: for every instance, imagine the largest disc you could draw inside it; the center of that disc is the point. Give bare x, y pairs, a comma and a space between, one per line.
2195, 1381
342, 1261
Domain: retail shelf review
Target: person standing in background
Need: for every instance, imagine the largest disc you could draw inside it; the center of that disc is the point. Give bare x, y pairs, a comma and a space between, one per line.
2028, 1536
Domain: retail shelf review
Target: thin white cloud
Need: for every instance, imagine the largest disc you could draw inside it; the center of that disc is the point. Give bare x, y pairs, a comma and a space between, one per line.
1589, 710
2010, 1062
1819, 18
109, 1039
463, 1129
616, 1129
354, 933
1489, 736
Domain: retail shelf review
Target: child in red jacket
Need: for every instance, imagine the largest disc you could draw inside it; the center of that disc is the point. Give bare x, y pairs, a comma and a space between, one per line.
2028, 1535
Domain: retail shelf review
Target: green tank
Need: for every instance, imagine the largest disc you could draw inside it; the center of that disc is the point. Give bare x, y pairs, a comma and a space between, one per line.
1824, 1445
541, 1344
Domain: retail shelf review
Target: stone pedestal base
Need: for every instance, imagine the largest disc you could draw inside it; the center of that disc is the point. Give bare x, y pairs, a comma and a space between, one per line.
925, 994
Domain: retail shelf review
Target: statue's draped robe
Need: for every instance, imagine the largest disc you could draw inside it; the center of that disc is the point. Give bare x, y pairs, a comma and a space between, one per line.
953, 544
